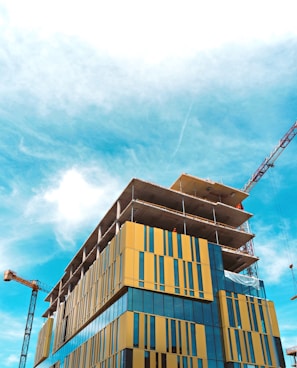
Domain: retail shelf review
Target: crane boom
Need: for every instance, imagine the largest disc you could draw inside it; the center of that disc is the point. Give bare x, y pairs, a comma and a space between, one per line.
269, 161
35, 285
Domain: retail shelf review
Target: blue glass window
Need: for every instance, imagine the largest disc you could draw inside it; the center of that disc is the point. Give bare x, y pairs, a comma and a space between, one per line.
141, 268
237, 313
251, 347
239, 357
196, 241
179, 247
179, 337
161, 264
262, 317
145, 331
173, 335
185, 277
230, 312
190, 274
152, 333
176, 276
193, 340
167, 336
170, 249
199, 272
145, 238
164, 242
254, 317
151, 240
136, 330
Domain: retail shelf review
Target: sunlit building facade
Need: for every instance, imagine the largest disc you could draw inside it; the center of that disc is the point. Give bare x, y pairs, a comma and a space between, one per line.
162, 282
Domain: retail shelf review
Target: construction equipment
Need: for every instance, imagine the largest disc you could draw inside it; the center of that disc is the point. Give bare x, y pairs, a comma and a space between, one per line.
261, 170
35, 285
270, 160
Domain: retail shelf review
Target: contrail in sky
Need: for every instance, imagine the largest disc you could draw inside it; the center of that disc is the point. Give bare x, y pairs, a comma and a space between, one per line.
182, 130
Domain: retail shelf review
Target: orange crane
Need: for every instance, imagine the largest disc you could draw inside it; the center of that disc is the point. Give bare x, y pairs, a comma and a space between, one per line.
261, 170
35, 285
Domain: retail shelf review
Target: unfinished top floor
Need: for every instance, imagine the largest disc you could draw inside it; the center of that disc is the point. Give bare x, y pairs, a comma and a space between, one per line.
192, 206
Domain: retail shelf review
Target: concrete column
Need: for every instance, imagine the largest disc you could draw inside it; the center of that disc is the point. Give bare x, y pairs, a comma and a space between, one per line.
118, 216
184, 213
99, 234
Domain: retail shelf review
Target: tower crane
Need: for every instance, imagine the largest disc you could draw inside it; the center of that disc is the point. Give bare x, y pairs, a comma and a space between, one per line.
262, 169
35, 285
270, 160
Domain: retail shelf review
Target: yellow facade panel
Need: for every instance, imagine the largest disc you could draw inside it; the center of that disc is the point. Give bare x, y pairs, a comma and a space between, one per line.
139, 237
186, 246
174, 244
158, 241
201, 341
168, 270
149, 270
171, 361
223, 308
207, 282
226, 342
244, 314
160, 334
274, 324
128, 266
256, 338
203, 246
138, 358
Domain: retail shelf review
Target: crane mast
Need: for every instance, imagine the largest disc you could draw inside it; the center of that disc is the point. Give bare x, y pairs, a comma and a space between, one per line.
35, 285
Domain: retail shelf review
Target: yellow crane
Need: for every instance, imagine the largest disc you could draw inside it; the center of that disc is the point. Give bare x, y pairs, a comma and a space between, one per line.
35, 285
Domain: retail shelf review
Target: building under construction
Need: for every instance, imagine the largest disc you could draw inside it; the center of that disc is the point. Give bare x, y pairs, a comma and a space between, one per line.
166, 280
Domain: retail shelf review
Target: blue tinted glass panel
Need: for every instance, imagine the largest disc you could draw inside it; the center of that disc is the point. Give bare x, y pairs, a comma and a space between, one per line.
179, 247
161, 264
188, 309
167, 336
237, 313
176, 275
173, 335
200, 283
267, 349
151, 245
178, 308
141, 265
230, 312
170, 249
193, 340
179, 337
254, 317
168, 306
145, 238
148, 302
158, 304
164, 242
239, 357
251, 347
152, 333
136, 330
197, 250
190, 274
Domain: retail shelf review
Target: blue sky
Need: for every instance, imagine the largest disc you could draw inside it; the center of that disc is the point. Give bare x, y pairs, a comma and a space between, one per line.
95, 93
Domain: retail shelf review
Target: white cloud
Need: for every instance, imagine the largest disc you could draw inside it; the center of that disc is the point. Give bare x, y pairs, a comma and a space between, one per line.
273, 253
152, 30
78, 197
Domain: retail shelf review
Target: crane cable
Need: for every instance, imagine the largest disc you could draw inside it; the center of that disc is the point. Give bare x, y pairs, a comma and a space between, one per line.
284, 233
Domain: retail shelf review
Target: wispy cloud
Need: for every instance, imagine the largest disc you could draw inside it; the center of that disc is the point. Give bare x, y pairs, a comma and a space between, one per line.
76, 197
